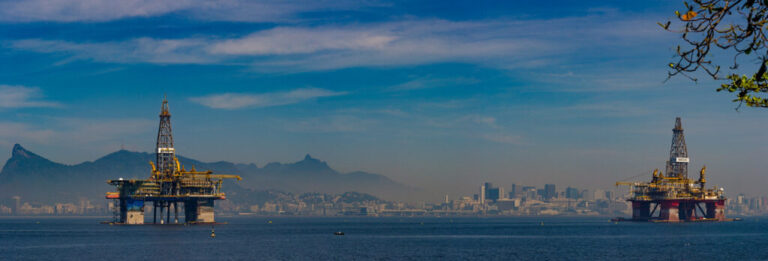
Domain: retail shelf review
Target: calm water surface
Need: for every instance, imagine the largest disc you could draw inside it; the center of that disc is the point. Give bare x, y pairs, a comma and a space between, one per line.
385, 239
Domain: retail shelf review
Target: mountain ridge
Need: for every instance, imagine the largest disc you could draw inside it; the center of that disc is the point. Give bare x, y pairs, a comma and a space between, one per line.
39, 179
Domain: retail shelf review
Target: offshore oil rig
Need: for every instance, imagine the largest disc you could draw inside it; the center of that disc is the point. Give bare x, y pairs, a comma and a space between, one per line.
169, 187
676, 197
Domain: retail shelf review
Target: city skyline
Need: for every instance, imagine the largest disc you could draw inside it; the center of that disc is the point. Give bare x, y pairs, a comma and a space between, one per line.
523, 201
572, 95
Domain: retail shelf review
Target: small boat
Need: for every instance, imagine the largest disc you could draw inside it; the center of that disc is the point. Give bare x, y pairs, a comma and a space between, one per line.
213, 233
338, 233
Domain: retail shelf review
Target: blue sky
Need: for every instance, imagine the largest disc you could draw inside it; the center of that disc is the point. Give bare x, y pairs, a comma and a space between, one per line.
437, 94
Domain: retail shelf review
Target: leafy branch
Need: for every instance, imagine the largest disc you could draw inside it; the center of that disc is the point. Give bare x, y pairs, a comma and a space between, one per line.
728, 25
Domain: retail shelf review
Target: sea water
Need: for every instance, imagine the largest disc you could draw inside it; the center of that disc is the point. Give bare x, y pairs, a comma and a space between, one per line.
445, 238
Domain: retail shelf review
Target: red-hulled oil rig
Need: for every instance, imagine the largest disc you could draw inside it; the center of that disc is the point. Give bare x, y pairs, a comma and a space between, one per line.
674, 197
169, 187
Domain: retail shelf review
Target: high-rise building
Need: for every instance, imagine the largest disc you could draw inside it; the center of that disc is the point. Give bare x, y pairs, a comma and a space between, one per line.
17, 205
572, 193
550, 191
599, 194
482, 194
513, 191
491, 193
529, 192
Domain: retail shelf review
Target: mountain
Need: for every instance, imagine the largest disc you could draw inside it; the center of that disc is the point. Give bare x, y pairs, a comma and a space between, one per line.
37, 179
294, 177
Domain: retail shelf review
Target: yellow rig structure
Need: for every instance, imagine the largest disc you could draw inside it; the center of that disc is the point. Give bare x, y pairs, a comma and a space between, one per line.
676, 197
168, 186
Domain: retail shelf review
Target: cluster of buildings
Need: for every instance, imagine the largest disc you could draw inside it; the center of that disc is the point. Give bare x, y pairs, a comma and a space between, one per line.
84, 207
530, 200
490, 200
747, 206
312, 204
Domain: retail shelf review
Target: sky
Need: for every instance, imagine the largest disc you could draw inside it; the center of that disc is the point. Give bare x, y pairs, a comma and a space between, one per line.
440, 95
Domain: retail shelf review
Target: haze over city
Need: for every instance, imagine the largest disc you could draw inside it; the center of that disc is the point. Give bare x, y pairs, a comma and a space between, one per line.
434, 95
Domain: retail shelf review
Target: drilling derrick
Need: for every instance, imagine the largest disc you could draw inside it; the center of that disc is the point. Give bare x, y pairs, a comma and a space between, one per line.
169, 186
165, 151
677, 166
674, 197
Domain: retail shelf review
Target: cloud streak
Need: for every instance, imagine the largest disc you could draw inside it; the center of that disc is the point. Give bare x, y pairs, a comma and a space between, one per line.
218, 10
433, 82
504, 138
232, 101
78, 130
86, 10
500, 43
17, 96
139, 50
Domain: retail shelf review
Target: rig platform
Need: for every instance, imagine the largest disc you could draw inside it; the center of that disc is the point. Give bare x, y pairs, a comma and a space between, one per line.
674, 197
169, 187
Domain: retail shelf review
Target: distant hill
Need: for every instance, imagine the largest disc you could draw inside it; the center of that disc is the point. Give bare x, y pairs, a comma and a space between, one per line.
38, 179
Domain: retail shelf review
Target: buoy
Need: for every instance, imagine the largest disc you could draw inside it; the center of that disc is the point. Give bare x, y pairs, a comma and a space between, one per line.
338, 233
269, 222
213, 233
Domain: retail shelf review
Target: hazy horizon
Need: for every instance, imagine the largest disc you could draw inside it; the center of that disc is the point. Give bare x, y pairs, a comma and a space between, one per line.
441, 96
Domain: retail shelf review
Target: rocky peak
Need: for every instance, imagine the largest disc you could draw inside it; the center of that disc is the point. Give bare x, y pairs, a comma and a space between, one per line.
19, 152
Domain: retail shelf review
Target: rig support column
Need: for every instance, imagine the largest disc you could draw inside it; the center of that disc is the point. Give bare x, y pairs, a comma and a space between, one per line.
669, 211
131, 211
161, 212
641, 210
716, 210
175, 212
687, 210
199, 211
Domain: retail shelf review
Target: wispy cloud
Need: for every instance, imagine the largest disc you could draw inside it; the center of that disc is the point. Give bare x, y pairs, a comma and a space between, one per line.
611, 79
90, 130
219, 10
139, 50
231, 101
72, 130
466, 121
331, 124
15, 132
432, 82
287, 40
16, 96
487, 120
86, 10
504, 138
500, 43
